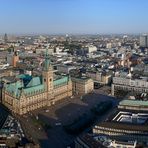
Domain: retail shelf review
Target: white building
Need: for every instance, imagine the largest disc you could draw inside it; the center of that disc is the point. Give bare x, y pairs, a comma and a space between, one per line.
109, 45
91, 48
100, 77
43, 50
129, 84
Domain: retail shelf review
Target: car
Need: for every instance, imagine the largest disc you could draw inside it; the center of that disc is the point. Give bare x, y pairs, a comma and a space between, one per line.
58, 124
47, 111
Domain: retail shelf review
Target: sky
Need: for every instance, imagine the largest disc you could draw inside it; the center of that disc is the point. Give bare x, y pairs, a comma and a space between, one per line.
73, 16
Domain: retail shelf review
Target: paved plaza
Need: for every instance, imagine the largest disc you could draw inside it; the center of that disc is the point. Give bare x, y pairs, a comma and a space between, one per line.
57, 116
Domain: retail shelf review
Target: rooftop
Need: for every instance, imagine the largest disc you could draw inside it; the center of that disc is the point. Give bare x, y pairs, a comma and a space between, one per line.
124, 126
134, 103
90, 141
26, 82
83, 78
59, 80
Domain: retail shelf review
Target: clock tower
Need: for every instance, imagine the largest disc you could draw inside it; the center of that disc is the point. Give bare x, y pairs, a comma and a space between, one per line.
47, 73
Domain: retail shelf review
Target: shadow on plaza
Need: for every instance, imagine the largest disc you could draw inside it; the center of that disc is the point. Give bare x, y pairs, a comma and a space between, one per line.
70, 112
44, 143
66, 115
56, 135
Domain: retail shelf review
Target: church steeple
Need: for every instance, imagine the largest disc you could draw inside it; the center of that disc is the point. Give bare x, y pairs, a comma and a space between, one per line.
15, 59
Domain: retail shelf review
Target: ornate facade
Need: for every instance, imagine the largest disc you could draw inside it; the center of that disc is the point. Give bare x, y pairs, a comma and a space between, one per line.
29, 93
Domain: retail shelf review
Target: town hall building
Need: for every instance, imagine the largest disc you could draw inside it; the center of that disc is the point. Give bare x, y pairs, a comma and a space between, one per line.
29, 92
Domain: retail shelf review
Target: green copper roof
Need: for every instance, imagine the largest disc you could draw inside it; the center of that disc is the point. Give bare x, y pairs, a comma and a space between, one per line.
34, 89
34, 85
31, 85
133, 103
34, 81
24, 76
47, 62
14, 88
60, 81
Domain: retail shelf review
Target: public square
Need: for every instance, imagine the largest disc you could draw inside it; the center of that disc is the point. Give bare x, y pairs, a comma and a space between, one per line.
58, 115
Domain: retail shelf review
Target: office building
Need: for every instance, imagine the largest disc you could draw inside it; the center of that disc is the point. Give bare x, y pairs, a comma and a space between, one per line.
129, 84
82, 85
144, 40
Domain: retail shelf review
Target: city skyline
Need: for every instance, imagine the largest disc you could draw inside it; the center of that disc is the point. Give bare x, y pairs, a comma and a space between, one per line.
73, 73
73, 17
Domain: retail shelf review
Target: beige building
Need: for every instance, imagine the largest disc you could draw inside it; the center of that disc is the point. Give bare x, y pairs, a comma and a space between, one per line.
102, 78
15, 59
29, 93
82, 85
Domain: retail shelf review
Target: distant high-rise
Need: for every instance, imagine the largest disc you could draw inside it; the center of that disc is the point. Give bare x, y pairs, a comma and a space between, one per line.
5, 38
144, 40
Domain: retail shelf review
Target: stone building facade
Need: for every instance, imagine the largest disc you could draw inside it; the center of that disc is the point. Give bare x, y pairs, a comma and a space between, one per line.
29, 93
128, 84
82, 85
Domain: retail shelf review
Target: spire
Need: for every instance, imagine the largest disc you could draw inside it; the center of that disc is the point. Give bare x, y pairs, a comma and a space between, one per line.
47, 62
46, 51
5, 38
